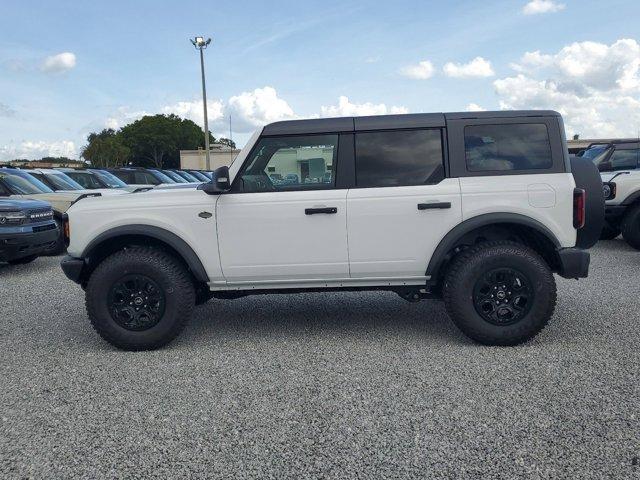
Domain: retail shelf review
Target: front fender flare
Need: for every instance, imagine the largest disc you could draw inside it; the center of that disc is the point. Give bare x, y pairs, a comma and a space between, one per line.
174, 241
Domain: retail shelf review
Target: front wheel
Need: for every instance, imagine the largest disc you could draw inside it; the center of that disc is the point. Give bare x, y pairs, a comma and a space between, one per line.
500, 293
631, 227
139, 298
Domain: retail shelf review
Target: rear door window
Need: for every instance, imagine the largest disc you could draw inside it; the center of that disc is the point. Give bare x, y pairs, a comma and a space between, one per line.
507, 147
624, 159
399, 158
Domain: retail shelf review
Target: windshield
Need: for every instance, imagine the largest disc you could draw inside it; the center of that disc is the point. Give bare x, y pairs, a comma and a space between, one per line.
109, 179
188, 176
174, 176
86, 179
59, 181
161, 176
200, 176
596, 153
21, 183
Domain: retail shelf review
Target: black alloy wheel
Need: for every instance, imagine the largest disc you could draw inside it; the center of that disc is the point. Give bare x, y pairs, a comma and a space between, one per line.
503, 296
136, 302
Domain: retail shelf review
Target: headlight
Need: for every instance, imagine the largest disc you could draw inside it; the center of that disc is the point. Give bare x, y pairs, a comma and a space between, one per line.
12, 218
609, 190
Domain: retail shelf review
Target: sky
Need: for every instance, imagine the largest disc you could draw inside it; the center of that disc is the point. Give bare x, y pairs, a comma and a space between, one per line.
68, 68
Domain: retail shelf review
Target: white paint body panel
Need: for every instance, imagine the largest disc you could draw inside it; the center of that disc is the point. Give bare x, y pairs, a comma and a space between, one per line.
389, 236
173, 210
527, 195
626, 184
267, 236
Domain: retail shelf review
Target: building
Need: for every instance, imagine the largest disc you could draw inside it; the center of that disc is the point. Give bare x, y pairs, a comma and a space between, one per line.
220, 155
47, 163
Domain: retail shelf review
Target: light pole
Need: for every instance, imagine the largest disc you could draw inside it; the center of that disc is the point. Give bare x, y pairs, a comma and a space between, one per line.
200, 43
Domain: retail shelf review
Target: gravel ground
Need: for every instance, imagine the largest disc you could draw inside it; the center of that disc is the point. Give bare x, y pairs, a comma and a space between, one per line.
352, 385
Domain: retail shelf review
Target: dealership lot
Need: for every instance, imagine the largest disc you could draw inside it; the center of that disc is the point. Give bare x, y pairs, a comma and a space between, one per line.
340, 385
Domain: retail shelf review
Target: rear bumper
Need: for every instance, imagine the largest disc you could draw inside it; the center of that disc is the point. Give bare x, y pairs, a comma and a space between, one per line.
19, 245
72, 268
574, 262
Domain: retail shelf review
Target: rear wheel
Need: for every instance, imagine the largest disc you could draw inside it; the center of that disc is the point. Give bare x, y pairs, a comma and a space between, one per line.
500, 293
631, 227
139, 298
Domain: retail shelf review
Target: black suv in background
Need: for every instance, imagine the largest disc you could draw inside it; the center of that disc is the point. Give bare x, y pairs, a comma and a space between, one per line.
27, 230
141, 176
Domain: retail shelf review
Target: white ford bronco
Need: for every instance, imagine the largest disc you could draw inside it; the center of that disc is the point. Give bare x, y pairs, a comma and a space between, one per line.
479, 209
619, 164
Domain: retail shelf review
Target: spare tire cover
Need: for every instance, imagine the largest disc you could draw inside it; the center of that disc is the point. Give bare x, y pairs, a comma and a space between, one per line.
587, 177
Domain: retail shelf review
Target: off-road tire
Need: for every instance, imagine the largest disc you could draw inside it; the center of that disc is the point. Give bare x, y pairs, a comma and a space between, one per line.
23, 260
470, 265
609, 232
172, 278
630, 227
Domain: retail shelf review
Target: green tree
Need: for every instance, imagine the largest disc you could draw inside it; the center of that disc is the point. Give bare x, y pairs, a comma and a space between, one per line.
227, 142
157, 140
106, 149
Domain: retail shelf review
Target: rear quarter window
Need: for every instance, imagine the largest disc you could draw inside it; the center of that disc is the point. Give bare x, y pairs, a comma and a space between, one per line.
507, 147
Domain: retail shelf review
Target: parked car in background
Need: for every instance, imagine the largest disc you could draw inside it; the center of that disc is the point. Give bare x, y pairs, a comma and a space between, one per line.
477, 208
19, 184
188, 177
619, 165
141, 177
96, 179
201, 176
27, 230
60, 181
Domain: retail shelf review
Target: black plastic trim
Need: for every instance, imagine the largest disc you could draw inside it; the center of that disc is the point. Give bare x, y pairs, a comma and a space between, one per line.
631, 198
574, 262
72, 268
171, 239
450, 239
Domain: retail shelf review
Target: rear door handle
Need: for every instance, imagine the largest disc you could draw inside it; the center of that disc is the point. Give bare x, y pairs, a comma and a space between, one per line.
434, 205
314, 211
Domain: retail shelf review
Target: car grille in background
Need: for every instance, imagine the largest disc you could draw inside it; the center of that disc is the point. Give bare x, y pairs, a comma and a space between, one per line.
40, 215
44, 228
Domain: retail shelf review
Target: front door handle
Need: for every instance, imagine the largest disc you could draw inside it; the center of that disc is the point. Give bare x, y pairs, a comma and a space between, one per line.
434, 205
327, 210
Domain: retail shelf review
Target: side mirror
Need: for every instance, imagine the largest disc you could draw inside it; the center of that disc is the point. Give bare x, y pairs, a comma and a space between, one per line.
219, 182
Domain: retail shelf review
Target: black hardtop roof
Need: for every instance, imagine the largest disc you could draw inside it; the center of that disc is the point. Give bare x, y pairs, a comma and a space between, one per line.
386, 122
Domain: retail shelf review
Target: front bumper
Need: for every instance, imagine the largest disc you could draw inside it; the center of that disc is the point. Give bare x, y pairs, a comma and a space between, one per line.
574, 262
72, 268
19, 245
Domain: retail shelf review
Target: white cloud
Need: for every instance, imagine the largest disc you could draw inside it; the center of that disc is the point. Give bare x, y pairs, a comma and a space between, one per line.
535, 7
34, 150
193, 111
474, 107
123, 116
347, 109
595, 86
478, 67
250, 110
59, 63
421, 71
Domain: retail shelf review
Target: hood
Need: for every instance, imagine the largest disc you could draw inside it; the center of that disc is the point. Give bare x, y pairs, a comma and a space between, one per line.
12, 205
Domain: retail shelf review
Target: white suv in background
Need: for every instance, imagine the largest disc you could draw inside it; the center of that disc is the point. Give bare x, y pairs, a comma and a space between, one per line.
479, 209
